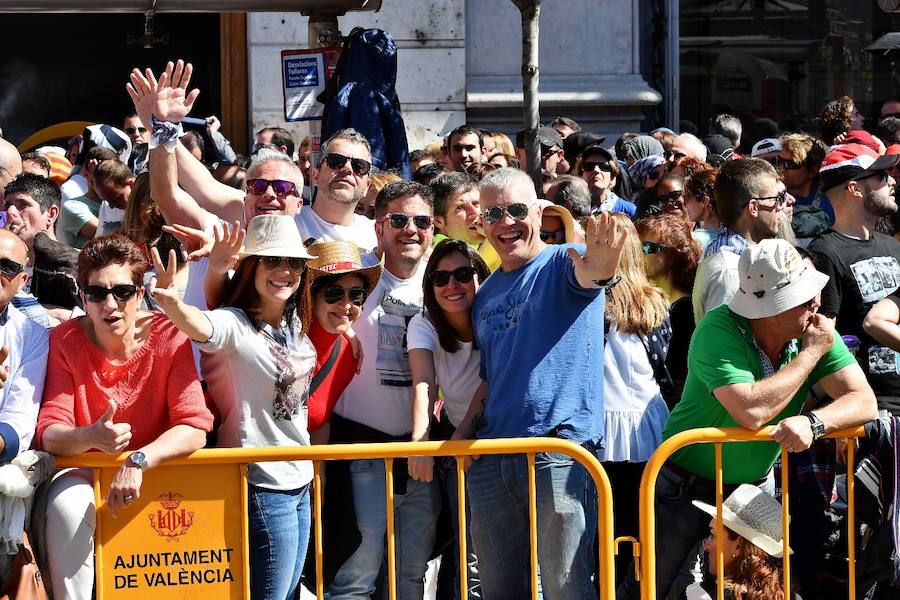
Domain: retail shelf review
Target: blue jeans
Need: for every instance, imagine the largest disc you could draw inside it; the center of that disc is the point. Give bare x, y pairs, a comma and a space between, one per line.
445, 469
279, 534
415, 518
680, 530
566, 525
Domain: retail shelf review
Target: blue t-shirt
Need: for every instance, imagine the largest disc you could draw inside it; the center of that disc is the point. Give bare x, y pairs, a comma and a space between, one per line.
613, 203
541, 340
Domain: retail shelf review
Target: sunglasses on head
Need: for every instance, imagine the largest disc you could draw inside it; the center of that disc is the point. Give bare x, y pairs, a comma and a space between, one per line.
553, 237
133, 130
516, 210
281, 187
651, 247
10, 268
335, 293
460, 274
337, 161
97, 293
401, 220
671, 198
273, 262
603, 165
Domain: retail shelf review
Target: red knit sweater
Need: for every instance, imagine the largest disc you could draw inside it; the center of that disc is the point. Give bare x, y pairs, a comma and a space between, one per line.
154, 390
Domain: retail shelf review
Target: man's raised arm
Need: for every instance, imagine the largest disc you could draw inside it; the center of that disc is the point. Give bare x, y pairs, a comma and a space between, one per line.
221, 200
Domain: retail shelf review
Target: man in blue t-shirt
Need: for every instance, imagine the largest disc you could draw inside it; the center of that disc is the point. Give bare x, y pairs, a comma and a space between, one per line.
538, 322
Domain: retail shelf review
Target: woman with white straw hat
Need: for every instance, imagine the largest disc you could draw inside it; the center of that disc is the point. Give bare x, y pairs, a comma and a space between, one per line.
752, 547
258, 364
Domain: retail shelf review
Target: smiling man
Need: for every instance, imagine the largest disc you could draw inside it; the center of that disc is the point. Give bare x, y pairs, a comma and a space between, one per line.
538, 313
457, 214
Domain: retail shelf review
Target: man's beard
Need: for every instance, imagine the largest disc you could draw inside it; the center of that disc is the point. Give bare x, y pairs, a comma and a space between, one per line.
879, 206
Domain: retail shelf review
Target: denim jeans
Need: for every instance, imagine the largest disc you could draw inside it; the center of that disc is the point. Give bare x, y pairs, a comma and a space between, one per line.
415, 518
445, 469
566, 503
279, 534
680, 529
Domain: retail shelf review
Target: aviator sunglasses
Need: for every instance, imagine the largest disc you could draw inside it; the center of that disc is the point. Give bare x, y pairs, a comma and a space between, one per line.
97, 293
516, 210
279, 186
273, 262
460, 274
336, 161
335, 293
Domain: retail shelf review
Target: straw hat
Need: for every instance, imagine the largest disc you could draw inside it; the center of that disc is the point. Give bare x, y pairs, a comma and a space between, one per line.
342, 258
754, 515
273, 235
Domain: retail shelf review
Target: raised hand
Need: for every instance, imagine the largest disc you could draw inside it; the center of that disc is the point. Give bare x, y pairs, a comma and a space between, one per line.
195, 241
605, 241
107, 436
162, 286
167, 99
224, 254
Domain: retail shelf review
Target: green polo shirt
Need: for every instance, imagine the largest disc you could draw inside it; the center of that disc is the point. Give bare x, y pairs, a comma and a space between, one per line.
723, 352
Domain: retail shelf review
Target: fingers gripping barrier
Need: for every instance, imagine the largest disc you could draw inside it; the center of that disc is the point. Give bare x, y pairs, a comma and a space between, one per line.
186, 536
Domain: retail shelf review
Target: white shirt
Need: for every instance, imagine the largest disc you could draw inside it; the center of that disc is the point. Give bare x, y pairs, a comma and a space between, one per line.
109, 220
381, 395
74, 187
456, 372
361, 233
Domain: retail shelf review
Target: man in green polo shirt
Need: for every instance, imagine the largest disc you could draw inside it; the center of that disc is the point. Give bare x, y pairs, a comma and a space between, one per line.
751, 364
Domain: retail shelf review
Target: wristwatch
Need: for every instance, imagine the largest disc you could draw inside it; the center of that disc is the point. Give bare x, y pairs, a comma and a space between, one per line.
139, 460
817, 426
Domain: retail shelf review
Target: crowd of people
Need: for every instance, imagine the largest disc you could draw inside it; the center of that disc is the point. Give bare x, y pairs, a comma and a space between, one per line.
161, 294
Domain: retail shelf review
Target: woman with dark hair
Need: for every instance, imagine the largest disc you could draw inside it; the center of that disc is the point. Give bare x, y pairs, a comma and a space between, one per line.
700, 205
838, 117
443, 355
637, 337
123, 380
258, 363
671, 256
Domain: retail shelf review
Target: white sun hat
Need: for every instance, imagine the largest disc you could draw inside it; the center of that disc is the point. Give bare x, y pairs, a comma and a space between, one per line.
754, 515
274, 235
773, 278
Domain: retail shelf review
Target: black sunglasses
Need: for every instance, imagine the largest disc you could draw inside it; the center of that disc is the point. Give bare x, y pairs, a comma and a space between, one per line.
788, 165
780, 200
597, 164
517, 210
122, 292
10, 268
401, 220
651, 247
336, 161
671, 198
279, 186
553, 237
132, 130
460, 274
294, 264
335, 293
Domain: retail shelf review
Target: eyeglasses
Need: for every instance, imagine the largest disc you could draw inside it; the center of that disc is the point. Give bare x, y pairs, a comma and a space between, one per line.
652, 247
297, 265
553, 237
460, 274
673, 197
281, 187
780, 201
401, 220
97, 293
337, 161
133, 130
788, 165
516, 210
10, 268
335, 293
604, 166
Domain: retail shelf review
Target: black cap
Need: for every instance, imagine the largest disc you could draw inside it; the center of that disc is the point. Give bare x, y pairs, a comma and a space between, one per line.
576, 143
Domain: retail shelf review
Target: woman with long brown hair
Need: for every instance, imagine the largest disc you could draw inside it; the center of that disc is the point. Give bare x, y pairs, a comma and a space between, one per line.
637, 336
700, 205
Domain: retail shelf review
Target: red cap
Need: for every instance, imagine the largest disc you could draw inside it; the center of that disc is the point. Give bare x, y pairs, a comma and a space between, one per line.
859, 136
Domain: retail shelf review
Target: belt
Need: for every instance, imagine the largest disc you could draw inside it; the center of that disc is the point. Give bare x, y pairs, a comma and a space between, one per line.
703, 482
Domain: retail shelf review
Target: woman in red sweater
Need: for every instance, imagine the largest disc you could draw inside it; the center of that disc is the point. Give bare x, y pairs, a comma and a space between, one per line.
122, 379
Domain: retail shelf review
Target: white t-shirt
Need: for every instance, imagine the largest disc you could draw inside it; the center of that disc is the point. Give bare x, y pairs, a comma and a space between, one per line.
361, 233
381, 395
109, 220
456, 372
261, 388
74, 187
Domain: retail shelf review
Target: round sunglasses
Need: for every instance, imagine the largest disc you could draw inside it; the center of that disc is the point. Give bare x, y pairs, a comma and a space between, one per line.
335, 293
297, 265
97, 293
460, 274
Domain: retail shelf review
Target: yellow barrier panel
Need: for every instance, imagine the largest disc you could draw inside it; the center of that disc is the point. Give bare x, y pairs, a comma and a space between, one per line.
231, 457
718, 437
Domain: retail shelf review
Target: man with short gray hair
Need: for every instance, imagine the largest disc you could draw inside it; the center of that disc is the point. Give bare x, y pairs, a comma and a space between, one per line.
687, 145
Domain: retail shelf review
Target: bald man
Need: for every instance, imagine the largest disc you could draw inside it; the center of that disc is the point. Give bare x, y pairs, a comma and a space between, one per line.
23, 354
10, 164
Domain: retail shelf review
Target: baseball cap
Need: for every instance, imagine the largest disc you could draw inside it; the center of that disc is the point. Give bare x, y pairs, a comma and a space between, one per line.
577, 142
719, 149
860, 136
547, 136
848, 162
773, 278
765, 146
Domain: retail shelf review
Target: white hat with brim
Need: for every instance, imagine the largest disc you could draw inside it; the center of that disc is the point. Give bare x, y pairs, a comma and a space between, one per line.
274, 235
754, 515
774, 278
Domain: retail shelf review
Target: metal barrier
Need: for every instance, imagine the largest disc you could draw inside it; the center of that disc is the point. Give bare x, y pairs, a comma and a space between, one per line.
389, 452
718, 437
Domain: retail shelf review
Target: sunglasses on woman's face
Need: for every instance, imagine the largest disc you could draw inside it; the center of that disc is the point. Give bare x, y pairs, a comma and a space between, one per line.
673, 197
273, 262
401, 220
281, 187
517, 210
554, 237
460, 274
97, 293
337, 161
787, 165
335, 293
652, 247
